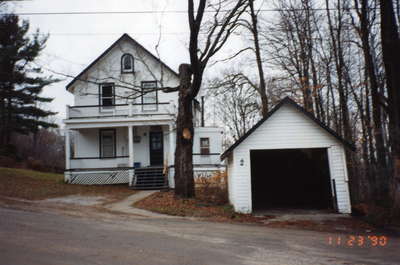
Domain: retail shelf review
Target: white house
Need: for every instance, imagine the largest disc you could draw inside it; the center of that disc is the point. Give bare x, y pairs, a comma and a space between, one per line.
121, 127
288, 160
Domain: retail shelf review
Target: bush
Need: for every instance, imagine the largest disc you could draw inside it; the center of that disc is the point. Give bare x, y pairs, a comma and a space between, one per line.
35, 164
6, 161
218, 179
212, 190
374, 214
8, 150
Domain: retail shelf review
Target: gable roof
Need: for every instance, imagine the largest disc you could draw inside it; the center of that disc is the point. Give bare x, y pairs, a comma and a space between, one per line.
129, 38
289, 101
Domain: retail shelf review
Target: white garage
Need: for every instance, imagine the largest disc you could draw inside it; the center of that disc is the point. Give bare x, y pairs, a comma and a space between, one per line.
289, 159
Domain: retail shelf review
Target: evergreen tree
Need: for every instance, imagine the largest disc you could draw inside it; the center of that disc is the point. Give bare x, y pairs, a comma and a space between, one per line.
21, 80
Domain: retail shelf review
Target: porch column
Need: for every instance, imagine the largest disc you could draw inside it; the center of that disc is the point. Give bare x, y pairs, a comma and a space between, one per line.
130, 149
67, 150
130, 145
171, 156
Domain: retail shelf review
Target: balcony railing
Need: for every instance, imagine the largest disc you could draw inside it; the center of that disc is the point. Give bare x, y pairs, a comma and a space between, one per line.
120, 110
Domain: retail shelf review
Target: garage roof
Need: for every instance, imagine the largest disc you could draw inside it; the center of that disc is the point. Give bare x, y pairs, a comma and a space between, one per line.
289, 101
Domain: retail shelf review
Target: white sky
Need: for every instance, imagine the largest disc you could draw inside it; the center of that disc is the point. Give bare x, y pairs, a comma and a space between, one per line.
76, 40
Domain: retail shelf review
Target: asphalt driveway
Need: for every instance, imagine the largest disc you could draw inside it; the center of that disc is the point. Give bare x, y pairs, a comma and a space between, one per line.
53, 237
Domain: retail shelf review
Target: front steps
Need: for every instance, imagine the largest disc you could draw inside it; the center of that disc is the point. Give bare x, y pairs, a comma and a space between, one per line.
149, 178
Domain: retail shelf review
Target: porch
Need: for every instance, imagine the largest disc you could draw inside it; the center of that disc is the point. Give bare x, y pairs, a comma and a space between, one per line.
160, 109
109, 154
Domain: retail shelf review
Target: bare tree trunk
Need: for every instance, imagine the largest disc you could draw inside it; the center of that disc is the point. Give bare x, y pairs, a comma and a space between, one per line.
191, 77
184, 183
391, 60
381, 177
262, 86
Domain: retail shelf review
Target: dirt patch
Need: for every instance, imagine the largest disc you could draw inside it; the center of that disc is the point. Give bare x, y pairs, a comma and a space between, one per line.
34, 185
166, 203
78, 200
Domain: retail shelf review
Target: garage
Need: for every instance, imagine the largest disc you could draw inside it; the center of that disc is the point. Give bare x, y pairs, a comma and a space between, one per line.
288, 160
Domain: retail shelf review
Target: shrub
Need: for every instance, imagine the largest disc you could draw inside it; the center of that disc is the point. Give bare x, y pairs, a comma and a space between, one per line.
35, 164
212, 190
218, 179
8, 150
6, 161
374, 214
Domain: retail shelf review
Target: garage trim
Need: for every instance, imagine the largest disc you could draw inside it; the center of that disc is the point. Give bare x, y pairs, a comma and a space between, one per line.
291, 127
288, 100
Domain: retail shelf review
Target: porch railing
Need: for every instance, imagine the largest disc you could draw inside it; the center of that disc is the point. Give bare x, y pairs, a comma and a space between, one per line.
120, 110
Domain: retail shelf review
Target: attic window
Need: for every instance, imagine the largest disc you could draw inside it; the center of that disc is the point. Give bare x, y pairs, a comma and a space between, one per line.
127, 65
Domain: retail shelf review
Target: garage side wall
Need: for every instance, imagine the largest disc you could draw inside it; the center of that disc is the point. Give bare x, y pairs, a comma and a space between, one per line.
338, 169
287, 128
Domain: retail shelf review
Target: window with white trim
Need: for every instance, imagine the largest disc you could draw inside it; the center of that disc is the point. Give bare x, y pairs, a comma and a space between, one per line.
107, 143
204, 146
149, 95
107, 97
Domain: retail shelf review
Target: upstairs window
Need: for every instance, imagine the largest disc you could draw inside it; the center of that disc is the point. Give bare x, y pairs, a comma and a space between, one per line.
127, 65
107, 96
149, 95
107, 143
204, 146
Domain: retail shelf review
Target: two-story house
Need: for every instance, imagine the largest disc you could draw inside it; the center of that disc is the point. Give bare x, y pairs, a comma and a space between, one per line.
121, 128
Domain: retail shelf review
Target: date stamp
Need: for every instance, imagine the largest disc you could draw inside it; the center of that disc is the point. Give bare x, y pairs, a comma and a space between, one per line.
358, 241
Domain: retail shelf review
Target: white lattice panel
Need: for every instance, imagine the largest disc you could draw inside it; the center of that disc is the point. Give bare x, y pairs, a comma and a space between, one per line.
99, 178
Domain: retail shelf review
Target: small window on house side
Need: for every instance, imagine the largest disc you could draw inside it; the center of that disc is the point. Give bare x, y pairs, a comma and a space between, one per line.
204, 146
149, 98
127, 65
107, 95
107, 143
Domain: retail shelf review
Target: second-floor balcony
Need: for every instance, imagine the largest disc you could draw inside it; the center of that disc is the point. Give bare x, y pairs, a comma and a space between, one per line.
120, 110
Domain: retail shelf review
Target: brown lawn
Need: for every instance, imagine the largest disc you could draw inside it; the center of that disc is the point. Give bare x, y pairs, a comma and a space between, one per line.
35, 185
166, 203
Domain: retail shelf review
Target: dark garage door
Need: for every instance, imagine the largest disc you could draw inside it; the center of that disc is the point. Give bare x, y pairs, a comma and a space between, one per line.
290, 178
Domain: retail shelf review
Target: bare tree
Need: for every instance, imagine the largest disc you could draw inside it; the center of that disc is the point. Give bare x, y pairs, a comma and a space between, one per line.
391, 59
236, 103
223, 23
252, 26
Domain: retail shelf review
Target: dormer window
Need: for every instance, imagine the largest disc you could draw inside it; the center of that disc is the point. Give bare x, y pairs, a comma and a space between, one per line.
127, 65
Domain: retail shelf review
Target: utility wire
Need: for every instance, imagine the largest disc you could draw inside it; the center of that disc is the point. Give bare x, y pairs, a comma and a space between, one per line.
108, 34
165, 12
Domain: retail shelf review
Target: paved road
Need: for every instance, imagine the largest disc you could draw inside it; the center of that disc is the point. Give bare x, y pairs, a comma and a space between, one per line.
55, 238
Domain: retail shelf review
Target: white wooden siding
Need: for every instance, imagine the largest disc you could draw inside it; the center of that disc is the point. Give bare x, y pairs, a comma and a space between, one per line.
287, 128
202, 163
229, 171
146, 69
86, 144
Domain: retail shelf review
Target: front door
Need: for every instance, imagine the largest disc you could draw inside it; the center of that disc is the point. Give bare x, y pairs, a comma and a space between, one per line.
156, 149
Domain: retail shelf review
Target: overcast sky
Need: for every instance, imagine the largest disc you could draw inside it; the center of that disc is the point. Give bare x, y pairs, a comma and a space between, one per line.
76, 40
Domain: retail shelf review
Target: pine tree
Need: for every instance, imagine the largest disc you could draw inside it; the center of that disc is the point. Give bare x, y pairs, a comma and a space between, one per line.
21, 80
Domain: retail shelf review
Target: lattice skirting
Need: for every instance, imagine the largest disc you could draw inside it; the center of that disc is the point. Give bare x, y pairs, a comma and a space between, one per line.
97, 178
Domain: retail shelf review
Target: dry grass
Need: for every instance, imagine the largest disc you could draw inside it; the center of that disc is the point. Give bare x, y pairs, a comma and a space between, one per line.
35, 185
166, 203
